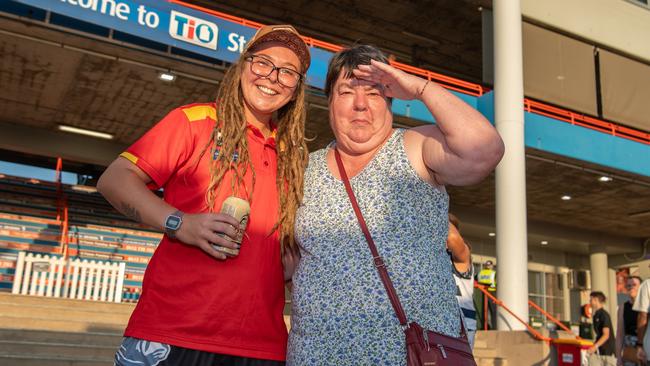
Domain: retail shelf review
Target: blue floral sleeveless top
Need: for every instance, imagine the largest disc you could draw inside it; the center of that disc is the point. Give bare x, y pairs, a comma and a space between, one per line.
341, 314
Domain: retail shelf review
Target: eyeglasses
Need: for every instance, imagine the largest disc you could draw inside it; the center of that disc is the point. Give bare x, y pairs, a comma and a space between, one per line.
263, 67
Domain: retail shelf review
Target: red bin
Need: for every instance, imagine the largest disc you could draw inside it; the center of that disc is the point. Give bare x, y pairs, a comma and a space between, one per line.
568, 351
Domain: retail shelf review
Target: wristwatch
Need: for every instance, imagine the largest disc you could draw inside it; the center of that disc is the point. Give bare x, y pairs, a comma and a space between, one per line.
173, 223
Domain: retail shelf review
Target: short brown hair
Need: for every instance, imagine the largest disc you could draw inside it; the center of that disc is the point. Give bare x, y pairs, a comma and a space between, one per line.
349, 59
598, 295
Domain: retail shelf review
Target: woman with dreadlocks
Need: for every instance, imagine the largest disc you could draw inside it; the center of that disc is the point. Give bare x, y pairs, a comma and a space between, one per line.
207, 300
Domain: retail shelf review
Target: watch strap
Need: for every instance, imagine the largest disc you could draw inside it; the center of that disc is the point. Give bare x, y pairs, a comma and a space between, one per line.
172, 233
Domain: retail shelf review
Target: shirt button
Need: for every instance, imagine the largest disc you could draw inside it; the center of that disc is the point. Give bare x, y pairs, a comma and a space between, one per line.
266, 163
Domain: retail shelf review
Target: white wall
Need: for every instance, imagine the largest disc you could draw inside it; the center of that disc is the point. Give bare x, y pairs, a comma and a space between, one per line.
618, 24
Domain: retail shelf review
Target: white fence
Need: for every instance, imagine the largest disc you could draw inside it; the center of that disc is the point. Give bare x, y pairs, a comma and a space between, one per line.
43, 275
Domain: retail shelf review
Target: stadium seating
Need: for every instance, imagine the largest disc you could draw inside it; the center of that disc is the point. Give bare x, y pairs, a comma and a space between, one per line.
31, 220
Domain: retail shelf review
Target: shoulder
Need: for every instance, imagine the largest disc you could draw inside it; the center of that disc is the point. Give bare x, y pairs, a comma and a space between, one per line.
198, 112
315, 157
598, 316
318, 153
645, 287
603, 314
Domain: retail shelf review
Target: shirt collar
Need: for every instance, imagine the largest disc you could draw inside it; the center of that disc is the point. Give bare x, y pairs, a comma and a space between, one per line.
254, 131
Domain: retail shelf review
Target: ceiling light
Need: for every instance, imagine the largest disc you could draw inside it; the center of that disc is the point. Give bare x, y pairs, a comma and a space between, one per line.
544, 242
166, 76
560, 77
492, 234
605, 178
87, 189
83, 131
566, 198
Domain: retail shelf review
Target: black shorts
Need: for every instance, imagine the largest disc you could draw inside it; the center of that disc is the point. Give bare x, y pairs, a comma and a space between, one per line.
138, 352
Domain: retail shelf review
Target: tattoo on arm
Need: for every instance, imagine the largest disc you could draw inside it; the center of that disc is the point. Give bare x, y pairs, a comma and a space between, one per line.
131, 212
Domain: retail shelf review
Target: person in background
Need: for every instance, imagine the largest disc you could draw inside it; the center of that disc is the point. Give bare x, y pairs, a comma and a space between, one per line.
642, 307
199, 305
488, 278
461, 258
626, 330
603, 350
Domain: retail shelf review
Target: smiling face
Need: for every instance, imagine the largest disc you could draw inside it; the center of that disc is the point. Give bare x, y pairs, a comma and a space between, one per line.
360, 115
265, 95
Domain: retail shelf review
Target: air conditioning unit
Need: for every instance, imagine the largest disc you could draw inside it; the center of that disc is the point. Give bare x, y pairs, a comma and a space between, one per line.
579, 279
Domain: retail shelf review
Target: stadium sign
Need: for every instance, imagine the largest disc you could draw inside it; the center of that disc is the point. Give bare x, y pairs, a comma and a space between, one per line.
158, 21
174, 25
191, 30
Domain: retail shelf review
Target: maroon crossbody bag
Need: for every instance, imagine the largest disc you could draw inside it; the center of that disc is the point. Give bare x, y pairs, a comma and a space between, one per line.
423, 347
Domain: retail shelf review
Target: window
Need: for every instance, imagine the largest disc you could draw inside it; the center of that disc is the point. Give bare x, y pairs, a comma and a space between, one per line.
545, 290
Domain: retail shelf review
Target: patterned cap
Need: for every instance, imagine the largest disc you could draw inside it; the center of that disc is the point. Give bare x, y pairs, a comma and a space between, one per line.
286, 35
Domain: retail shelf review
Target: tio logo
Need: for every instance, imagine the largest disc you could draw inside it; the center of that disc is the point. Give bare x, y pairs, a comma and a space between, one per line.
193, 30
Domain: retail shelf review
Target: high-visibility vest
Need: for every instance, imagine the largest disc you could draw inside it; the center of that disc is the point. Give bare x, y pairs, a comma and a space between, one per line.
488, 277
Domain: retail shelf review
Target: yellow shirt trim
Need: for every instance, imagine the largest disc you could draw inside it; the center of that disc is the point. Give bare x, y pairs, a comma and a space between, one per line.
200, 112
130, 157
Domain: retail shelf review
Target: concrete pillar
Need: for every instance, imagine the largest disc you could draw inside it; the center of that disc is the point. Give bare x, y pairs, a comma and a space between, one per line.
599, 273
612, 297
512, 243
566, 297
600, 279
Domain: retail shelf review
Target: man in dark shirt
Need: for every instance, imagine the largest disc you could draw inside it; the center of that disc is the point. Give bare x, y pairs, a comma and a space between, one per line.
603, 349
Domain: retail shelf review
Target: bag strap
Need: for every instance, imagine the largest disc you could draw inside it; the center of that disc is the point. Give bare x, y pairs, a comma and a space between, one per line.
377, 259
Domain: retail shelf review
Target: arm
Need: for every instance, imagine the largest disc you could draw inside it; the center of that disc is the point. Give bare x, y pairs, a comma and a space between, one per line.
460, 253
600, 341
290, 259
641, 305
619, 333
641, 325
124, 185
462, 147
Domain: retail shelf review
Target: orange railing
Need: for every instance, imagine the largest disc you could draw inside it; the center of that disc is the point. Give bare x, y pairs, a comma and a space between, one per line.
586, 121
465, 86
551, 317
64, 230
531, 330
62, 208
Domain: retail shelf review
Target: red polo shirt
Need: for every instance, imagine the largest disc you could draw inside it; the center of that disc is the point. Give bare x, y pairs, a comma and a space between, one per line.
190, 299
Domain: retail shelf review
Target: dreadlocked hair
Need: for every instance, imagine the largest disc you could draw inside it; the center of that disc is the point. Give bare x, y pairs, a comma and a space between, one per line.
228, 142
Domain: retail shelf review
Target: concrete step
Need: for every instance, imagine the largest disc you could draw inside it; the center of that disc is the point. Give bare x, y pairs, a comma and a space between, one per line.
45, 350
71, 313
44, 323
52, 302
485, 352
491, 361
43, 336
24, 360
